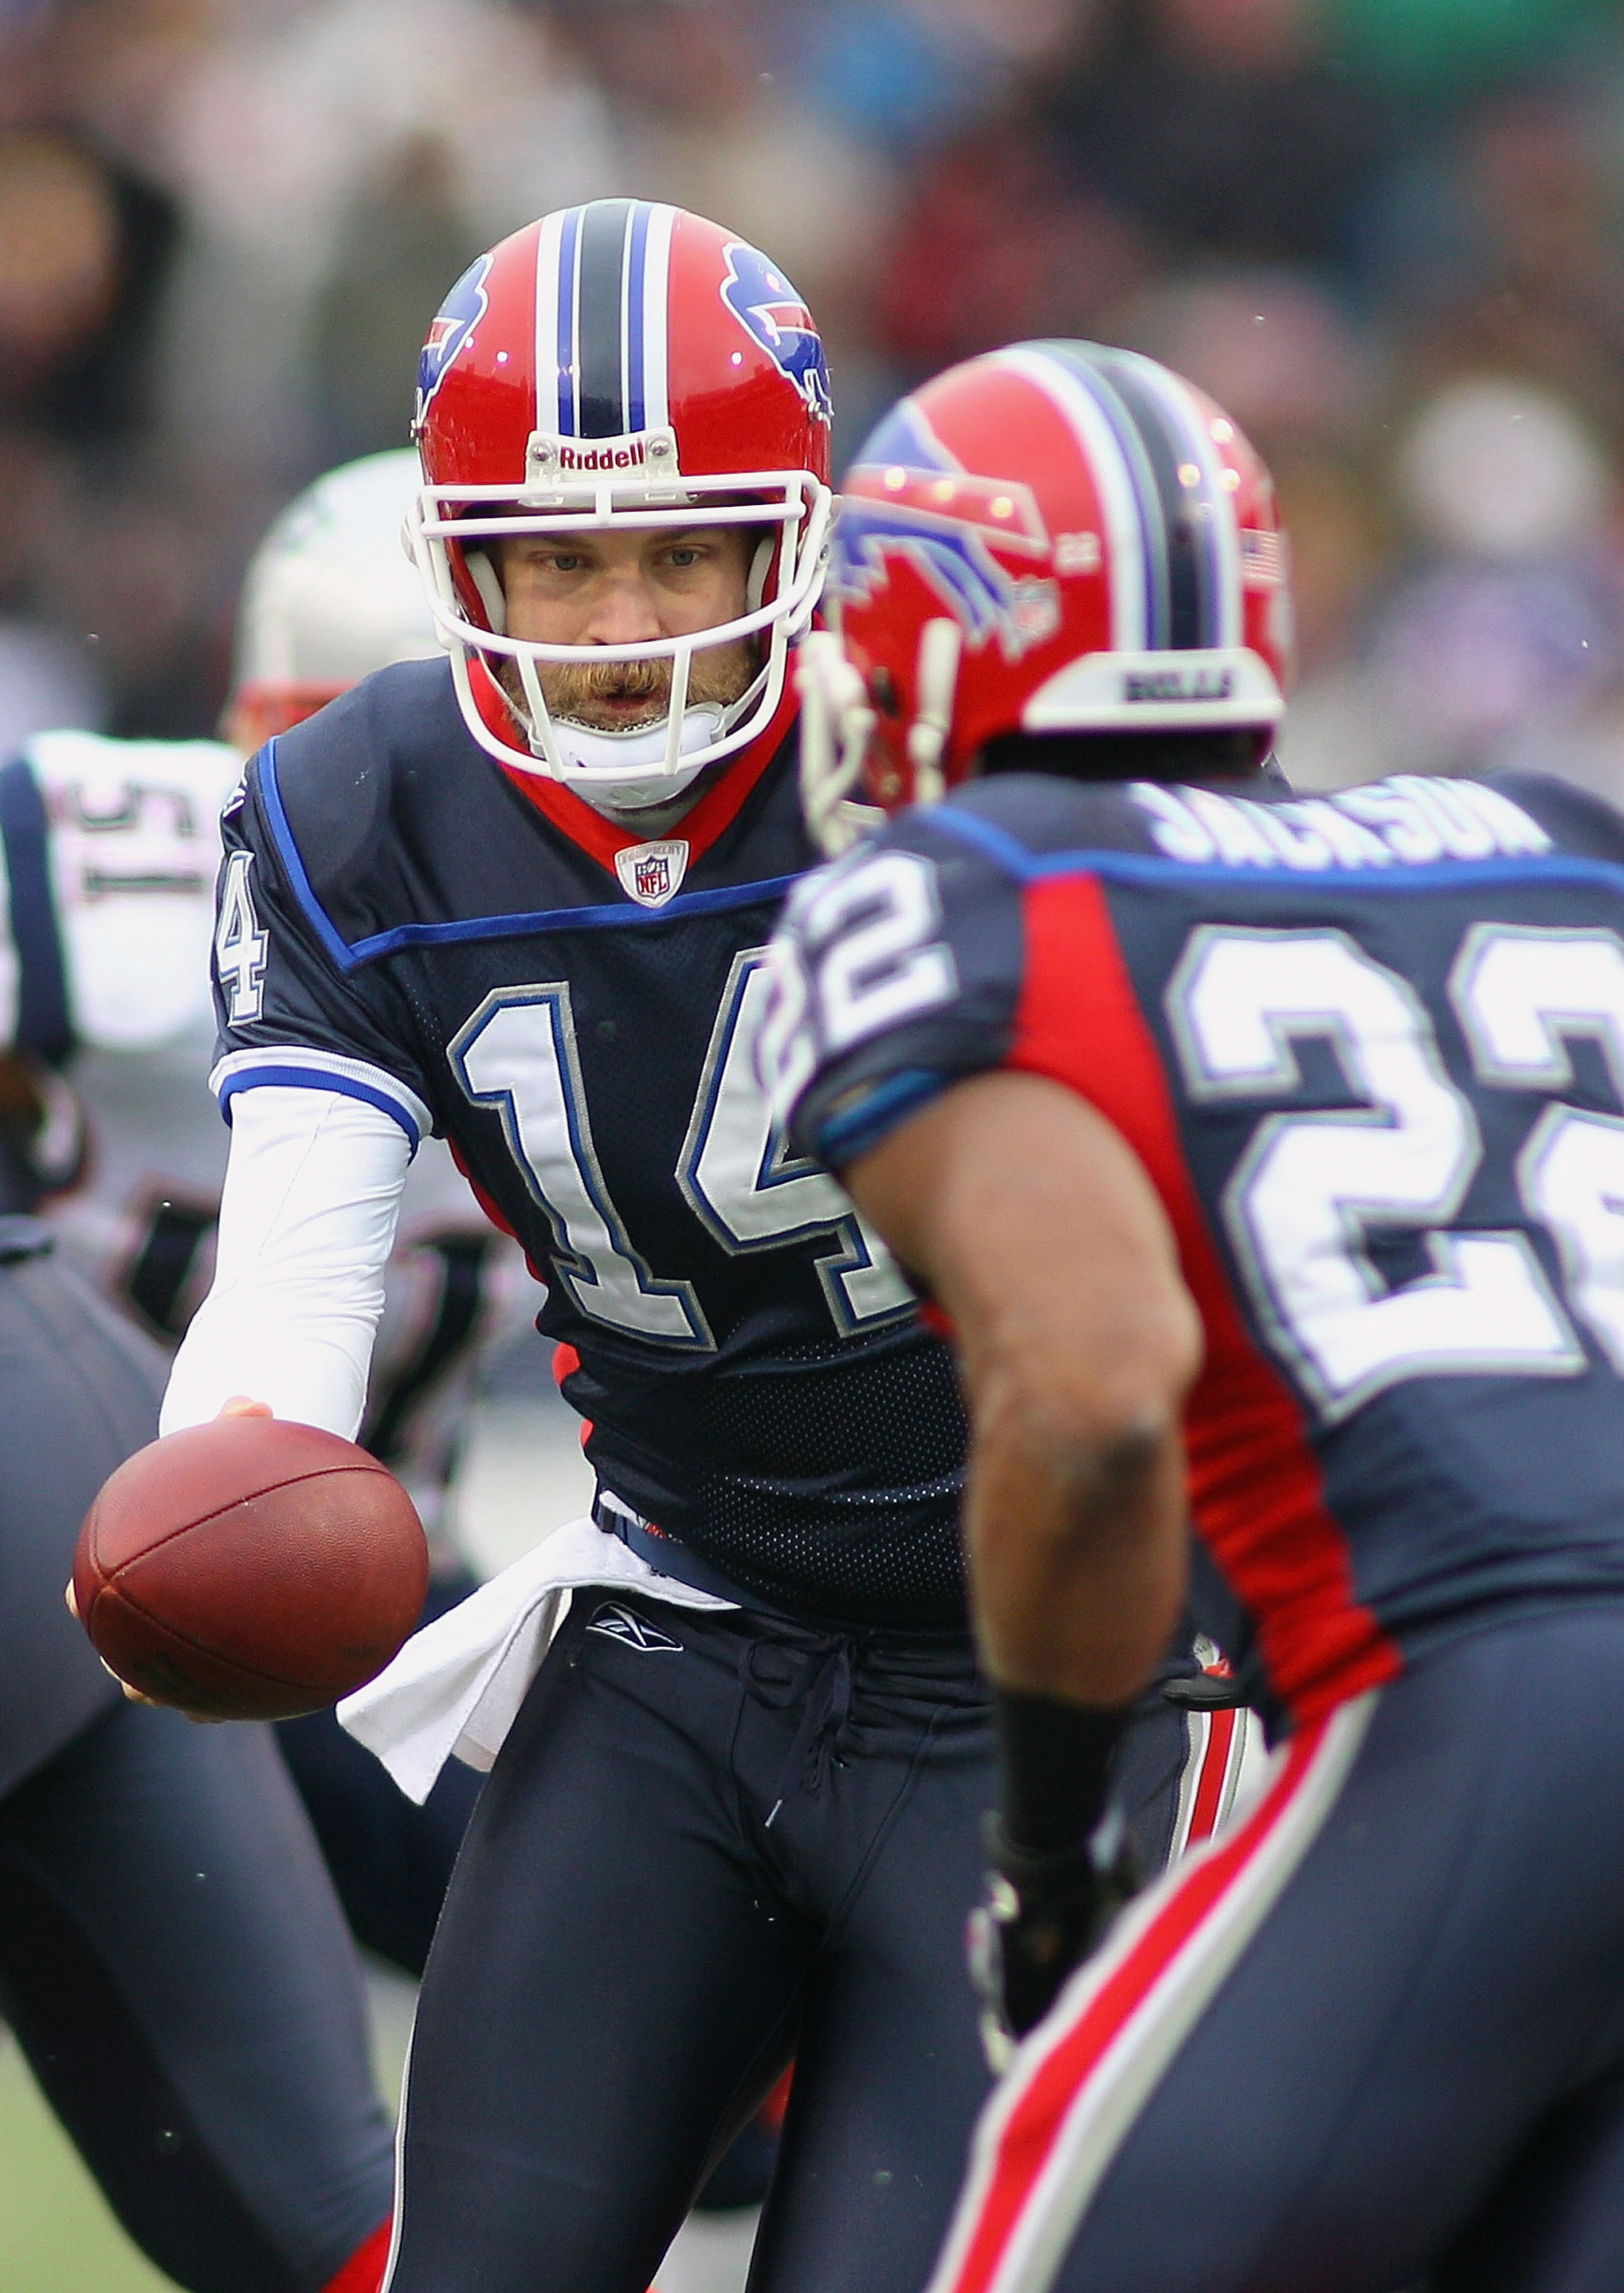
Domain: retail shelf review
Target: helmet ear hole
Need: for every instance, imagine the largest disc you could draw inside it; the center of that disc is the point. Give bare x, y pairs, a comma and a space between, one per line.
483, 575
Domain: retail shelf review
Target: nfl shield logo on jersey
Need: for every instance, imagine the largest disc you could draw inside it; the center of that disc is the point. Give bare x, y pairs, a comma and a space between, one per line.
650, 873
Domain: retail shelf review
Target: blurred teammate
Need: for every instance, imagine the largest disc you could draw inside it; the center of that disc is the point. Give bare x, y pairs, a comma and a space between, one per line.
132, 853
171, 1956
1269, 1154
523, 901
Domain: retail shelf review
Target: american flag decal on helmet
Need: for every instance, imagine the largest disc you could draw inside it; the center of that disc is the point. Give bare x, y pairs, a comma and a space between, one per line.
1262, 559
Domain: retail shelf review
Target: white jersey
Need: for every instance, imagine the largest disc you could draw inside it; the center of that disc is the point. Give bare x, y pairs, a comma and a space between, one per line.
132, 853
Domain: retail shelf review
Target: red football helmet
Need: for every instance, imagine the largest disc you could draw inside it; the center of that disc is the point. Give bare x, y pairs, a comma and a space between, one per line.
1054, 538
620, 364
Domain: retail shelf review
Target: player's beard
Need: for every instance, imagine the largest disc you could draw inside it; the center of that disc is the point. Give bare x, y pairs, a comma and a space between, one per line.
585, 694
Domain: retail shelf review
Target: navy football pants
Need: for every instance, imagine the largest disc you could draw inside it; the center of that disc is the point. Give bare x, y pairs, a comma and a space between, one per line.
391, 1860
709, 1842
1371, 2040
177, 1973
171, 1956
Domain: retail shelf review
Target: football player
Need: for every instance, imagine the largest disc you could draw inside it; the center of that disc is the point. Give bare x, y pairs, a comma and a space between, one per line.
173, 1960
158, 2017
1269, 1153
116, 1024
522, 899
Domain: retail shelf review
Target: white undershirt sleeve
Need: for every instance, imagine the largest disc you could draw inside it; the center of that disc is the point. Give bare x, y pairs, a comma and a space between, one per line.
307, 1221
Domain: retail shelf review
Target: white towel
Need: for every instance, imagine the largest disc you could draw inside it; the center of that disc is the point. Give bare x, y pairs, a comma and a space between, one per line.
456, 1686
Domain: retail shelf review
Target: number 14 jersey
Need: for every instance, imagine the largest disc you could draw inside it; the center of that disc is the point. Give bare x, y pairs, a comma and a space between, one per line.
1370, 1050
575, 1012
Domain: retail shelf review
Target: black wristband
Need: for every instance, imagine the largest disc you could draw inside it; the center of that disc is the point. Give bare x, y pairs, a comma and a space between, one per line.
1057, 1761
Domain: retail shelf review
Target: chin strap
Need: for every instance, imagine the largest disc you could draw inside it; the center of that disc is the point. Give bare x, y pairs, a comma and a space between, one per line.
592, 748
584, 745
482, 573
935, 678
761, 565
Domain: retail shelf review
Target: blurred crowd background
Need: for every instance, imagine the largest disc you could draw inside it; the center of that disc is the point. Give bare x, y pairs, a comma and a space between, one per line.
1387, 234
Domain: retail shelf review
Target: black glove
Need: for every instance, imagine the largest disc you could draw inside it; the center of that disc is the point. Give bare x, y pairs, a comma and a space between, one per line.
1043, 1916
1204, 1691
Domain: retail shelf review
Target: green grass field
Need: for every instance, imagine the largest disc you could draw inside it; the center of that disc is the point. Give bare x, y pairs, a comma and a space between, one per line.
56, 2233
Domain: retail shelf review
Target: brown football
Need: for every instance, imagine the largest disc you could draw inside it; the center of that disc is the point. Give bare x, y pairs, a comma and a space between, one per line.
250, 1569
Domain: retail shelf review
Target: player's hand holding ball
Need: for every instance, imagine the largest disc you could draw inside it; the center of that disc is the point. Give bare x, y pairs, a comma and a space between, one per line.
251, 1568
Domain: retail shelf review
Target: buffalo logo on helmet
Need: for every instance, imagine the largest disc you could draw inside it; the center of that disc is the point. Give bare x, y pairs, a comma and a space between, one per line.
924, 506
452, 327
774, 315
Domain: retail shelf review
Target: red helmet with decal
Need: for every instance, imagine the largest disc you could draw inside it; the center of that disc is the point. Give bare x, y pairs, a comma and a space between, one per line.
620, 364
1055, 538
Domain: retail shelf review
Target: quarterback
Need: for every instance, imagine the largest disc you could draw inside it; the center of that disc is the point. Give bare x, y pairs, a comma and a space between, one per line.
521, 899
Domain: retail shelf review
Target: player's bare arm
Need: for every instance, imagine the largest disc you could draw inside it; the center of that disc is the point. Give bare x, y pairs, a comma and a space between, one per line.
1038, 1232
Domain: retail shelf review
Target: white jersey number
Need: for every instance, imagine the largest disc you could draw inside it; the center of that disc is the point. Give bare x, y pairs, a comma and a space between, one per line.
518, 1054
742, 1182
240, 946
1312, 1188
1519, 994
873, 957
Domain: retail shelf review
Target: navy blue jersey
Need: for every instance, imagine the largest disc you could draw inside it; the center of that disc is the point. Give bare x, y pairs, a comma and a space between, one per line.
1370, 1049
576, 1013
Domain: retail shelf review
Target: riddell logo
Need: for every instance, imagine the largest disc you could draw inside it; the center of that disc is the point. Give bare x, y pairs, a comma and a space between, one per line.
601, 458
645, 455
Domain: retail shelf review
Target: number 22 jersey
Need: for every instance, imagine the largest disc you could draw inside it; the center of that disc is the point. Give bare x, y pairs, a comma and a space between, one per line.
484, 957
1370, 1050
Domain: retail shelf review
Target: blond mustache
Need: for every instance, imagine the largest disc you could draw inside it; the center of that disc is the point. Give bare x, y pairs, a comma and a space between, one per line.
718, 674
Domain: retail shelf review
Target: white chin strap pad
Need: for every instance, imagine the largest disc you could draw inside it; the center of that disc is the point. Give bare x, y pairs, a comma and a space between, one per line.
635, 754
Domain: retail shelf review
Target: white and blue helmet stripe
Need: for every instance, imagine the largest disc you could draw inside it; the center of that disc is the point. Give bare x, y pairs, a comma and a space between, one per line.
602, 280
1174, 545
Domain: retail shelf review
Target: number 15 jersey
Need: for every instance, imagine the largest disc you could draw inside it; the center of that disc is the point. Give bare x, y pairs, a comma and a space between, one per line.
1370, 1050
576, 1011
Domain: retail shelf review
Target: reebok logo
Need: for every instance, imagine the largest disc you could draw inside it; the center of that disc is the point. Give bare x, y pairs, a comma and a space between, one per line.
618, 1623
